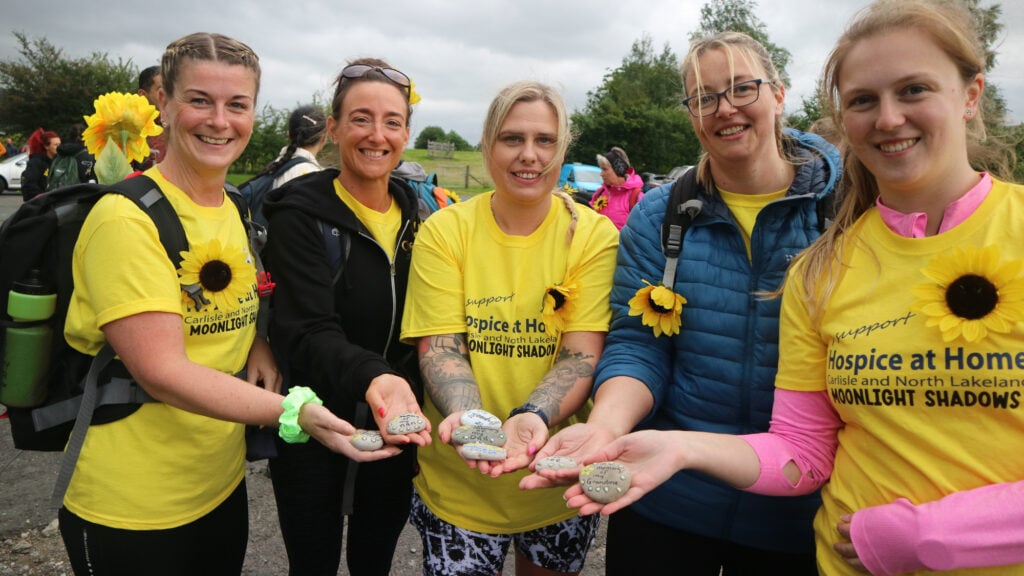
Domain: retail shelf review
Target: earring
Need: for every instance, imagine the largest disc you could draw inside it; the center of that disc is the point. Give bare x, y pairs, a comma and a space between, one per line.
969, 112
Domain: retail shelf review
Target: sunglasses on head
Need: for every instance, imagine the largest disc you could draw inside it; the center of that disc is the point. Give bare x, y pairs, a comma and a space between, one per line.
359, 70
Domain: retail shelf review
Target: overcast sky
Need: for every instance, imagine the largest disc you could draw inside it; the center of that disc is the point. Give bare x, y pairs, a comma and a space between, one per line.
459, 52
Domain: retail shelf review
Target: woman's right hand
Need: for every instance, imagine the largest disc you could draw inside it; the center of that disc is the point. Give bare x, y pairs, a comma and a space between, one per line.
651, 456
336, 434
388, 396
578, 442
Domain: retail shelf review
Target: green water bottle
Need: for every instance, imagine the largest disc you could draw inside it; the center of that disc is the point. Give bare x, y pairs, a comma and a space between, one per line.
27, 349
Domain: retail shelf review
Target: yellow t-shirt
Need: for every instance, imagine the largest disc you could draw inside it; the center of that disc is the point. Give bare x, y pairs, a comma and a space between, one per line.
161, 467
383, 226
469, 277
924, 417
746, 207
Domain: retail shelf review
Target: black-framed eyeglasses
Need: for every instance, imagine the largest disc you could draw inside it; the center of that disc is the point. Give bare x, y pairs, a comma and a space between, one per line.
739, 95
359, 70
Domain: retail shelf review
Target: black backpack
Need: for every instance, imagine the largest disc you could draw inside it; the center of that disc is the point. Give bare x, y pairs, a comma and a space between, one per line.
81, 389
255, 189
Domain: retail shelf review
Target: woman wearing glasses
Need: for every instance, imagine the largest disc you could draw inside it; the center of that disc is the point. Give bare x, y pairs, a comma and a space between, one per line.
339, 248
760, 187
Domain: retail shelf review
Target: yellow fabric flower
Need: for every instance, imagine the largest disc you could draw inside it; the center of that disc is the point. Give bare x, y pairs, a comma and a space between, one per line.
601, 203
414, 96
971, 293
559, 304
222, 275
127, 119
660, 308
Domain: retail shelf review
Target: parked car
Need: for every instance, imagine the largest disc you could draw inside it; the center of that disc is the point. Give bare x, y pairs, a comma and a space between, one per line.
10, 172
655, 180
580, 181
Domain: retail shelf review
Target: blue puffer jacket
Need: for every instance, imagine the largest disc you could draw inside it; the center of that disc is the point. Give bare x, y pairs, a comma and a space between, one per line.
718, 373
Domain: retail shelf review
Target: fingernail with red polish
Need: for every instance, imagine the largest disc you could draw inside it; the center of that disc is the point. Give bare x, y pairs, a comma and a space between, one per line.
531, 450
381, 411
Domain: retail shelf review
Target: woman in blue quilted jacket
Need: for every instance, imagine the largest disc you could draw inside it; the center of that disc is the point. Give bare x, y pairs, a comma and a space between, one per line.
695, 346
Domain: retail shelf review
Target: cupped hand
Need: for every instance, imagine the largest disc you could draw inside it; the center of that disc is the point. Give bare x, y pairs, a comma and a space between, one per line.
845, 548
388, 396
336, 434
578, 442
645, 456
527, 433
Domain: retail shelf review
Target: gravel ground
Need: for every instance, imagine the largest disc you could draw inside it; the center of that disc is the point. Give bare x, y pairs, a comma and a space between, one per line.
30, 544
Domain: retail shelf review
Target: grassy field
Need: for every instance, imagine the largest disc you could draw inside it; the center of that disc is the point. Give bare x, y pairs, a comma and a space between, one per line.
464, 174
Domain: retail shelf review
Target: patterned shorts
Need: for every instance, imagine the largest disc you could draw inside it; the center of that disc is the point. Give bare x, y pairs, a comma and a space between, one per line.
452, 551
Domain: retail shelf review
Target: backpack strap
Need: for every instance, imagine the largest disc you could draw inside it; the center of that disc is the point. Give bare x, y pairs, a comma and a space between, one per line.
683, 207
337, 245
634, 197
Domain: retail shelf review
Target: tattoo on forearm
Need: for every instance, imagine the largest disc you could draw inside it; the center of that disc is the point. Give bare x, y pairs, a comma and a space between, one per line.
447, 373
569, 367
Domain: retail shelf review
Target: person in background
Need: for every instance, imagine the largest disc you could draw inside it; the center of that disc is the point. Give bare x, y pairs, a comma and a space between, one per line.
696, 349
72, 153
162, 491
508, 302
622, 187
42, 147
336, 324
893, 393
307, 134
150, 82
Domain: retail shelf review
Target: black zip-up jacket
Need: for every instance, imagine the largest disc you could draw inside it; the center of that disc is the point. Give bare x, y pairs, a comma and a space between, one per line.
337, 337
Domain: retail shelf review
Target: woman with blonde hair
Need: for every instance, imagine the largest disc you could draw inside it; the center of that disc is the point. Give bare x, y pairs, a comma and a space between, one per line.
508, 303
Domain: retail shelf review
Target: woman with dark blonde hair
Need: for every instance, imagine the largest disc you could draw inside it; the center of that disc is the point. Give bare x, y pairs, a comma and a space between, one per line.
694, 345
508, 302
902, 328
162, 491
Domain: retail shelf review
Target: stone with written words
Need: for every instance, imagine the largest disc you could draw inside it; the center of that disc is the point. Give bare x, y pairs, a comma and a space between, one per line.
478, 451
481, 434
406, 424
477, 417
604, 482
556, 463
368, 440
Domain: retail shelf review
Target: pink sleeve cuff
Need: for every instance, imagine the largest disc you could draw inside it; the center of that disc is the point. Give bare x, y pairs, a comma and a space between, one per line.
803, 431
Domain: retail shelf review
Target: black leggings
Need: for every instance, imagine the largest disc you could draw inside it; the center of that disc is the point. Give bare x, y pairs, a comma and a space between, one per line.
213, 545
310, 488
637, 545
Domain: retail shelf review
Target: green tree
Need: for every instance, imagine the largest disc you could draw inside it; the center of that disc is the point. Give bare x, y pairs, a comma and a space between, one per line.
738, 16
269, 135
460, 143
638, 107
44, 88
429, 134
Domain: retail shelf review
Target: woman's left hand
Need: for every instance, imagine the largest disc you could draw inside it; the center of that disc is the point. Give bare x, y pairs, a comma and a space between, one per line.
261, 367
527, 434
845, 549
388, 396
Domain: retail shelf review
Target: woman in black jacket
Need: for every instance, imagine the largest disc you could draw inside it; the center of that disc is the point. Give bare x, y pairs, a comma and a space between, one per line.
42, 147
339, 247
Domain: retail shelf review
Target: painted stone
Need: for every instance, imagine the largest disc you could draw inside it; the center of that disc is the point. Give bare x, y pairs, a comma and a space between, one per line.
480, 434
555, 463
368, 440
604, 482
478, 451
479, 417
406, 424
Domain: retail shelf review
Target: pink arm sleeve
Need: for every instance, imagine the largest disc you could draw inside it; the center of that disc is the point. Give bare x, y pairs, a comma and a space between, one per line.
968, 529
803, 431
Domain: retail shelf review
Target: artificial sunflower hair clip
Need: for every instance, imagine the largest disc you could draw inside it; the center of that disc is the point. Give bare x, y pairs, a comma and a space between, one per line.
971, 293
659, 307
